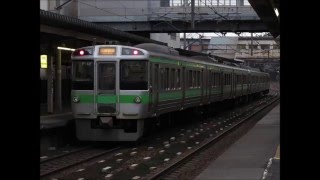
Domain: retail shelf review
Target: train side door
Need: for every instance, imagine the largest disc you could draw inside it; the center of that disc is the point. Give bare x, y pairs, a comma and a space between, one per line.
183, 85
233, 84
202, 86
249, 83
209, 83
154, 94
221, 83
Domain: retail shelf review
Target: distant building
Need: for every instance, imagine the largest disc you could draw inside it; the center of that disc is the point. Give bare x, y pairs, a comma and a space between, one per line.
258, 52
257, 48
172, 39
196, 45
245, 48
223, 46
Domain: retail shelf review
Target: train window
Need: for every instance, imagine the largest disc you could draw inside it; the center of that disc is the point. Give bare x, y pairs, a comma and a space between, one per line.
189, 78
172, 78
226, 79
166, 79
82, 75
162, 86
212, 79
106, 76
197, 78
194, 74
239, 79
133, 75
178, 85
216, 79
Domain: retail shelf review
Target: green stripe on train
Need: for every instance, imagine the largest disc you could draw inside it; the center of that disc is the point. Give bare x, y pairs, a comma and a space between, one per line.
175, 62
170, 95
85, 98
193, 92
106, 99
112, 99
130, 98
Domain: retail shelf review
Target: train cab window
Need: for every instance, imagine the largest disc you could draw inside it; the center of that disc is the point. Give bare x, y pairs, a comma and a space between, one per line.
178, 85
133, 75
106, 76
82, 75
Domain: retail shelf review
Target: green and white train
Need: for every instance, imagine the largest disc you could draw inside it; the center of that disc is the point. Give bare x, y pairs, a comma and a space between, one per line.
116, 89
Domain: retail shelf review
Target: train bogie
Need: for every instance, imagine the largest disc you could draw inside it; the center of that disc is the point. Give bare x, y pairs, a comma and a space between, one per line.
128, 131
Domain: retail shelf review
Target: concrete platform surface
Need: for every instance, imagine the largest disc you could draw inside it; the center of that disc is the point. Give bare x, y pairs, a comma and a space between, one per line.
247, 159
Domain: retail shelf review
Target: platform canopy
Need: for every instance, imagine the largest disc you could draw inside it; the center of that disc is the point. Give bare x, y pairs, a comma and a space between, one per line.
269, 13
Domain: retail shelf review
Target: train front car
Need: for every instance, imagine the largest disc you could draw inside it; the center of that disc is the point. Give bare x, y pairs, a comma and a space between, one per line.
110, 92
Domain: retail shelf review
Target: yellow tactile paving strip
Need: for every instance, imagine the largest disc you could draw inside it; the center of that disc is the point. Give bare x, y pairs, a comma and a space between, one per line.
277, 156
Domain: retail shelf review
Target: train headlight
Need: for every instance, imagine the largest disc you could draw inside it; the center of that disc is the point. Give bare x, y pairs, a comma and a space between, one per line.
137, 100
75, 99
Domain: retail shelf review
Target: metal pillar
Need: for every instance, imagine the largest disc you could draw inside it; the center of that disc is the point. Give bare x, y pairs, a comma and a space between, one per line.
201, 45
251, 44
50, 84
241, 3
192, 14
58, 82
184, 41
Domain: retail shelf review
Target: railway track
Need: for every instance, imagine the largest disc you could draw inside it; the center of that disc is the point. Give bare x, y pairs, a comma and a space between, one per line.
180, 161
68, 160
217, 129
64, 154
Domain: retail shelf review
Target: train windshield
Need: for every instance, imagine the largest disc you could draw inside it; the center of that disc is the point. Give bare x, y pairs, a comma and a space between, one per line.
133, 75
82, 76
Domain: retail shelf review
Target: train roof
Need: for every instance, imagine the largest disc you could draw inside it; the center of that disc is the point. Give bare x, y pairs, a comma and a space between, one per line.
165, 51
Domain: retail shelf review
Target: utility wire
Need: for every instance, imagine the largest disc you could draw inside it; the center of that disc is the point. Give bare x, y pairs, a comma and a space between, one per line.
106, 11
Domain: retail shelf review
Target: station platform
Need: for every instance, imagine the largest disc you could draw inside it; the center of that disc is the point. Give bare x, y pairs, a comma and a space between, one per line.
255, 156
55, 120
